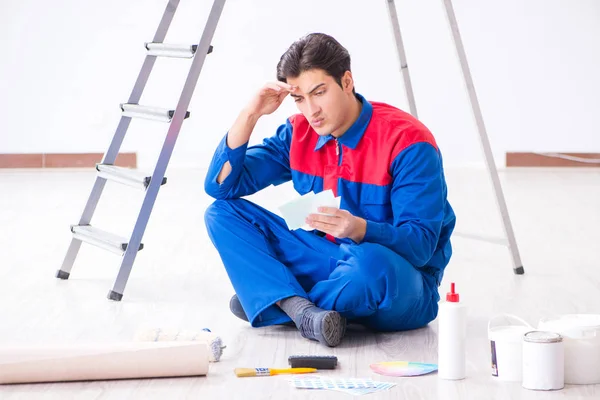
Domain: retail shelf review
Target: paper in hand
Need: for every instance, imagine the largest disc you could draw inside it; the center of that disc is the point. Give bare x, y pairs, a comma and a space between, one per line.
296, 211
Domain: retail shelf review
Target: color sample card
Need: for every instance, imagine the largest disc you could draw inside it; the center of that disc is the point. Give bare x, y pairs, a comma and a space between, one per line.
296, 211
355, 387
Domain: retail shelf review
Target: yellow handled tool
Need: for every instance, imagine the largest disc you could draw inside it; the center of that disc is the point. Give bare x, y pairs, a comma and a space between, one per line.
245, 372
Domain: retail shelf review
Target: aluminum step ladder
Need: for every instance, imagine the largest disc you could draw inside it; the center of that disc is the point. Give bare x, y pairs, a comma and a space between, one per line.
509, 241
128, 247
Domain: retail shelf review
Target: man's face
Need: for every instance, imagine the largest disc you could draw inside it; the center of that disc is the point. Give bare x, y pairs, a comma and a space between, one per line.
322, 101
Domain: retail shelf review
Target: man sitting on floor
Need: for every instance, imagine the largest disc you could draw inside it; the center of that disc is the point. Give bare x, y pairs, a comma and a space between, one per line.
379, 259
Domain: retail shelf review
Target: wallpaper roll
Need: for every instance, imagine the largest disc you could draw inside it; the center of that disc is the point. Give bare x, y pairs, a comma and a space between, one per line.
102, 361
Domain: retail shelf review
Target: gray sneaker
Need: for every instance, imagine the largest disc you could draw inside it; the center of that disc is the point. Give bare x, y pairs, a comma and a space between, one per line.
236, 308
325, 326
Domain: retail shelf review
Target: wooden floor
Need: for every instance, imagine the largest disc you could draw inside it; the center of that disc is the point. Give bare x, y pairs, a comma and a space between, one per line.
179, 282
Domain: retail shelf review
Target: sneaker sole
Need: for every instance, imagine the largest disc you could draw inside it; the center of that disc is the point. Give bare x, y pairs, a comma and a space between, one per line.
333, 329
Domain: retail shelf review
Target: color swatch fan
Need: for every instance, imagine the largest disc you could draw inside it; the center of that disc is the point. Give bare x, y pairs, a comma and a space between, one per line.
403, 368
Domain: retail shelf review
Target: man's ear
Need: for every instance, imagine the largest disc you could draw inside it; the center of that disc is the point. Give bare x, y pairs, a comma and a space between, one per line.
347, 82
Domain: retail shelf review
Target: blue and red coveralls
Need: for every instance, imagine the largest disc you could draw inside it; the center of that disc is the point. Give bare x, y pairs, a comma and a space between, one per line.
388, 170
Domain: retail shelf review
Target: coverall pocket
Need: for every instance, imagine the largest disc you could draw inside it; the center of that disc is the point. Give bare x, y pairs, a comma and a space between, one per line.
378, 209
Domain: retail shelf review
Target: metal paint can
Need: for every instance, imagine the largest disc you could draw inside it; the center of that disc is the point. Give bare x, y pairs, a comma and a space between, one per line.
581, 333
543, 361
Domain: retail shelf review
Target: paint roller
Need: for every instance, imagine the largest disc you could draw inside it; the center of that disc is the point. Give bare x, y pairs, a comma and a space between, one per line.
214, 342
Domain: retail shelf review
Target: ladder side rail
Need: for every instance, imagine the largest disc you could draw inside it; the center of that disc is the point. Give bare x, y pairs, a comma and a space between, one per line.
165, 155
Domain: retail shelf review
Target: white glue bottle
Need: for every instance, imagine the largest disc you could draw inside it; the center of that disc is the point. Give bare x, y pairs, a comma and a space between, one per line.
452, 335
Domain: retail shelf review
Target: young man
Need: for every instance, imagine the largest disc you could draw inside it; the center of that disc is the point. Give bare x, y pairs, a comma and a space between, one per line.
379, 259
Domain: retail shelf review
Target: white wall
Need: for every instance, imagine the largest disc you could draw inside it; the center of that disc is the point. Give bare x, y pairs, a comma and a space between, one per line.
67, 64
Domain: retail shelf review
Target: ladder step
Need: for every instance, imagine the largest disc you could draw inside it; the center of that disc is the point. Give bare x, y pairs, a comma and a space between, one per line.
126, 176
153, 113
100, 238
173, 50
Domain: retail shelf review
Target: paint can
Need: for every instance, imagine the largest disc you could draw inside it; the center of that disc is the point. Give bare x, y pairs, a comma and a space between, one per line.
505, 332
543, 361
581, 333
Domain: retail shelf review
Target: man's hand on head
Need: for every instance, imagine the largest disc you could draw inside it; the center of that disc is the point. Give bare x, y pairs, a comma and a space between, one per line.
269, 98
338, 223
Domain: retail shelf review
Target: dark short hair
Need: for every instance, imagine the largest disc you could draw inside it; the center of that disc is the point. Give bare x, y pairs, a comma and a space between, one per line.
314, 51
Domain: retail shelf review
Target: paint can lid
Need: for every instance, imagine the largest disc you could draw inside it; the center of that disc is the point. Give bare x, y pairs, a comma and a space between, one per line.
542, 337
574, 326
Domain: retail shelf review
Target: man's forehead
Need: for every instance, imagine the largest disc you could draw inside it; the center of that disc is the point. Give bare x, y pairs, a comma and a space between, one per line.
307, 82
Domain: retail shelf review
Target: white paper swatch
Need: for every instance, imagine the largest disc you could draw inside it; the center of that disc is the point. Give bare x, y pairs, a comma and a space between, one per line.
296, 211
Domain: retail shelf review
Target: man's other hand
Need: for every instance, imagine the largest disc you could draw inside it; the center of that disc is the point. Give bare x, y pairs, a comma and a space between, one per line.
338, 223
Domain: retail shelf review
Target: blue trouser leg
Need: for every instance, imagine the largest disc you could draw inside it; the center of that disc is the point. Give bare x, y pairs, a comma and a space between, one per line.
266, 262
374, 286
